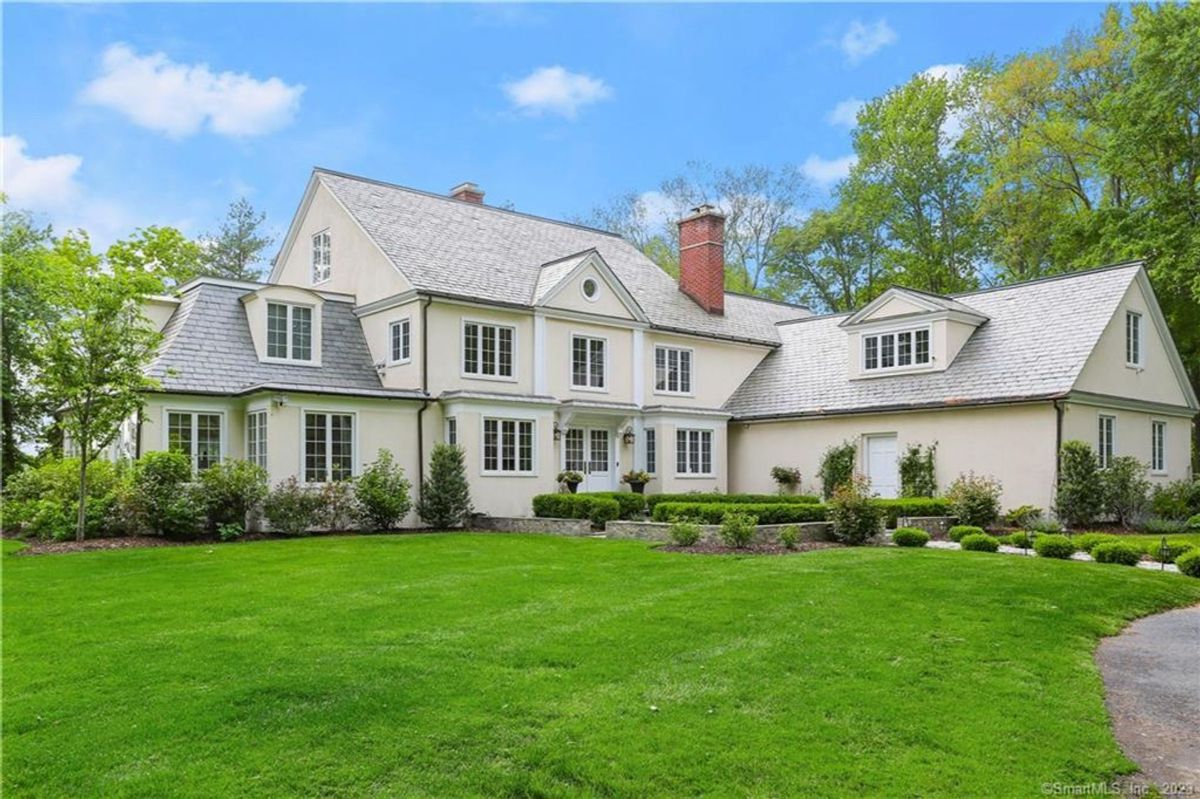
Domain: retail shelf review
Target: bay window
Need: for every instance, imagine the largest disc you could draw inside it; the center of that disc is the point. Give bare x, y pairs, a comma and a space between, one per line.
256, 438
693, 452
508, 446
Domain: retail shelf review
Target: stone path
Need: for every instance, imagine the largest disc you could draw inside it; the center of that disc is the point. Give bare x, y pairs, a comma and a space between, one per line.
1080, 556
1151, 677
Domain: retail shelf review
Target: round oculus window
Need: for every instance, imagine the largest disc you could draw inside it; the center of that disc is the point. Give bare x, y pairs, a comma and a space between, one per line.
591, 289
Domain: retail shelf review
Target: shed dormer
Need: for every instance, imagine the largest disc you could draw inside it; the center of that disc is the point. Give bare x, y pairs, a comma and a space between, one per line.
904, 331
285, 324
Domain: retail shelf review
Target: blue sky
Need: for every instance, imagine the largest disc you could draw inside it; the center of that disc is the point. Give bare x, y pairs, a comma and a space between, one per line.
123, 116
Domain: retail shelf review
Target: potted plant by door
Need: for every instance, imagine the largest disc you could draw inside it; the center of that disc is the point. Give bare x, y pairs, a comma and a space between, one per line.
571, 480
636, 480
788, 478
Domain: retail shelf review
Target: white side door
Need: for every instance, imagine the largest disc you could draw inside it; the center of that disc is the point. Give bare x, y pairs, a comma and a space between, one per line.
881, 466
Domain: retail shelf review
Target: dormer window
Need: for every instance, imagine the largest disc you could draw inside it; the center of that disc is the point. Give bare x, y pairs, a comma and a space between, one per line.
321, 264
289, 332
901, 349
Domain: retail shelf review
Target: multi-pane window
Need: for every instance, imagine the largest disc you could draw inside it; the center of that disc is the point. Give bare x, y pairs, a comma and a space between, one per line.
321, 262
651, 451
508, 446
587, 362
1133, 338
401, 341
256, 438
452, 431
693, 452
488, 350
896, 350
573, 451
289, 331
1104, 444
672, 370
1158, 446
328, 447
197, 435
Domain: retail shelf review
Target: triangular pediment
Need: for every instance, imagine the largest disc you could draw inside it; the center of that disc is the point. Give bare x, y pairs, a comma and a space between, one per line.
584, 283
898, 303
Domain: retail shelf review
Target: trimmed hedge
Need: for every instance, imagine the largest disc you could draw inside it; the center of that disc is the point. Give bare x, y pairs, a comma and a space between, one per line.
1189, 563
1054, 546
652, 500
714, 512
1174, 550
1121, 552
632, 505
912, 506
1022, 538
958, 531
979, 542
577, 506
1089, 541
910, 537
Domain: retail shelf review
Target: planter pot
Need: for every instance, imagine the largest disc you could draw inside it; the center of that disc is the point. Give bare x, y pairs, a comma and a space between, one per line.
637, 488
572, 487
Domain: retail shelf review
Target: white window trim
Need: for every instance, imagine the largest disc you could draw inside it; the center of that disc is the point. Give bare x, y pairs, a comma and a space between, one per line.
571, 363
1153, 424
450, 420
647, 432
266, 428
223, 450
483, 471
392, 324
654, 372
1099, 450
355, 469
1140, 363
887, 370
314, 329
462, 349
329, 277
712, 472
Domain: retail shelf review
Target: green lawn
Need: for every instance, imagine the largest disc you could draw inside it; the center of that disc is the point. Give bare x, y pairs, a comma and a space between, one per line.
509, 665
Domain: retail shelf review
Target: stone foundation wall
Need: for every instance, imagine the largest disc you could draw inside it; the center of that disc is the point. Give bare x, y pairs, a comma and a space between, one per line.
660, 531
530, 524
937, 526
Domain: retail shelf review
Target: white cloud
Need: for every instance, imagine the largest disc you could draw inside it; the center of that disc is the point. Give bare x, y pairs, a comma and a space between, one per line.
180, 99
955, 121
827, 171
658, 209
554, 90
845, 113
947, 72
860, 41
39, 184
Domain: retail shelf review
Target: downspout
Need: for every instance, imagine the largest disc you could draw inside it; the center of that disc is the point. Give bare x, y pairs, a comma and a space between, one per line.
1058, 421
425, 402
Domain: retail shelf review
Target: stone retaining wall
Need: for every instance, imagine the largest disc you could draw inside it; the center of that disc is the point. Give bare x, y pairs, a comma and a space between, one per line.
660, 531
531, 524
938, 527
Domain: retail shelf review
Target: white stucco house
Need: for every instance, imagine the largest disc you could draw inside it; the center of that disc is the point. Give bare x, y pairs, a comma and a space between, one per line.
395, 318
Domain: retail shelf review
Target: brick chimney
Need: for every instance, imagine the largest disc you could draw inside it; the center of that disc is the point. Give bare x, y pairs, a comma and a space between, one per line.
467, 192
702, 258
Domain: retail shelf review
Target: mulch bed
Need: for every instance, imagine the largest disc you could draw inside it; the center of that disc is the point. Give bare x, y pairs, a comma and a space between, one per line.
34, 547
717, 548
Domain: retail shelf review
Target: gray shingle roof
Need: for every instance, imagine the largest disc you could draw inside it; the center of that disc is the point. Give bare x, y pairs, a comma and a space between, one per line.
207, 349
450, 247
1036, 341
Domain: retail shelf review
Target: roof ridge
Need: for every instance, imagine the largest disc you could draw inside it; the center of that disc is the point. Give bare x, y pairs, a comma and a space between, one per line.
772, 300
1140, 262
493, 208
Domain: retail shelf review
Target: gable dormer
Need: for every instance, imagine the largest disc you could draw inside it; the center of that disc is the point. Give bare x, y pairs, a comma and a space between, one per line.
285, 324
584, 283
904, 331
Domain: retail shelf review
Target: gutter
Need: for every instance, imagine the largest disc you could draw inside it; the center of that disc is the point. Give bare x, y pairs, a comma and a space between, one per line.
425, 302
910, 408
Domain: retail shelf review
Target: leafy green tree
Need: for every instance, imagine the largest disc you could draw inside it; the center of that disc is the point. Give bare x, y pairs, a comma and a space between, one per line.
162, 252
237, 249
93, 353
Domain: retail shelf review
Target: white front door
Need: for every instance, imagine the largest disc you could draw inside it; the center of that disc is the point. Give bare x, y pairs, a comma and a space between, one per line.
881, 466
588, 450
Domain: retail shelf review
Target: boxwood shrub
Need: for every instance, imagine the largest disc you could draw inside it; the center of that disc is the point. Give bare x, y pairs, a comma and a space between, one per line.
598, 509
714, 512
910, 537
1089, 541
1189, 563
1121, 552
958, 531
979, 542
652, 500
632, 505
1022, 538
1054, 546
1174, 550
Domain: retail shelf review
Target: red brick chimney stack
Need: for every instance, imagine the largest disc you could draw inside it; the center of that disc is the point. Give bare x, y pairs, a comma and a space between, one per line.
702, 258
467, 192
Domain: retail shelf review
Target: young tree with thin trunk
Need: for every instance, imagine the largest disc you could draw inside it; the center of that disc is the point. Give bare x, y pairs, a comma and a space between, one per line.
92, 356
